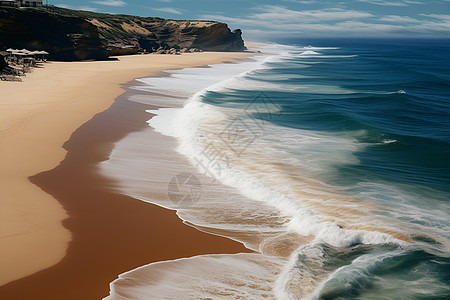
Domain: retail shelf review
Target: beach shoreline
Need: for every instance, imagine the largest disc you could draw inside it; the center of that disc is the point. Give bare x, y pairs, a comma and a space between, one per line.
68, 95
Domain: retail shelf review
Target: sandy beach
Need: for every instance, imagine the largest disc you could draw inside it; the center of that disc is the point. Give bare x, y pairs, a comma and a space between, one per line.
49, 238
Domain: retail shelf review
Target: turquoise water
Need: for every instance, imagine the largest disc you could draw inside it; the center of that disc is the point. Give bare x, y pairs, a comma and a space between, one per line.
369, 120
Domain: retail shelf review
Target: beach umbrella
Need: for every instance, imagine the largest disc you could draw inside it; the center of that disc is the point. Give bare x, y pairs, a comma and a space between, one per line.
26, 52
34, 53
10, 50
41, 53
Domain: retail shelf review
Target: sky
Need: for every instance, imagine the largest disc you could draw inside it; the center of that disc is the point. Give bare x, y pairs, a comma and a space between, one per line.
263, 19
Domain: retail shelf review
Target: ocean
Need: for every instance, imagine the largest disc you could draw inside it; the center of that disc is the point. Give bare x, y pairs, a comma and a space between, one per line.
329, 158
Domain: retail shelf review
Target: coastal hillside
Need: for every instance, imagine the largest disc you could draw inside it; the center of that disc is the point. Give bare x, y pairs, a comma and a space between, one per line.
80, 35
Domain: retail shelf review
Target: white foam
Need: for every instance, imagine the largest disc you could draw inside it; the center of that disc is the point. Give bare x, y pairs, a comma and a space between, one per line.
320, 48
360, 273
306, 53
328, 56
358, 270
241, 276
193, 138
188, 129
191, 135
388, 141
197, 124
402, 92
164, 120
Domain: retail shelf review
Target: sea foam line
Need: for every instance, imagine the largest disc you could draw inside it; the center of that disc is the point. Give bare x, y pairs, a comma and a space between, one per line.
188, 131
187, 128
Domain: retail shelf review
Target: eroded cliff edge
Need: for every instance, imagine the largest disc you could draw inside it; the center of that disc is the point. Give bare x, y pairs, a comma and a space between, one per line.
80, 35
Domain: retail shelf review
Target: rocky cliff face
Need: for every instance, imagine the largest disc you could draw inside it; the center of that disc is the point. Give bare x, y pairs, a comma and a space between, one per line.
66, 38
130, 32
79, 35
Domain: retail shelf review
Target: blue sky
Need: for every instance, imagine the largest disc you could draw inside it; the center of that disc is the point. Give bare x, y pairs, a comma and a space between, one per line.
261, 19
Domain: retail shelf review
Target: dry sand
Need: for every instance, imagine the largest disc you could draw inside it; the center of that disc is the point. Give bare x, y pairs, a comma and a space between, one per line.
36, 117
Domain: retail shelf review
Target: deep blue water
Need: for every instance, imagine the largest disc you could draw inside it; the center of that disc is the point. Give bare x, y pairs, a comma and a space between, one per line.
379, 73
389, 100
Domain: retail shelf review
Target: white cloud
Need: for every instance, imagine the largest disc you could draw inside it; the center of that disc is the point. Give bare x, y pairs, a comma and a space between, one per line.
437, 16
68, 6
303, 2
413, 2
110, 2
169, 10
281, 14
335, 22
385, 3
399, 19
391, 3
269, 15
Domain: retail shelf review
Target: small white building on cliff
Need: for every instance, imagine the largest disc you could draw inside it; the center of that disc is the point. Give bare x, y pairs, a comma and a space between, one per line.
33, 3
21, 3
11, 3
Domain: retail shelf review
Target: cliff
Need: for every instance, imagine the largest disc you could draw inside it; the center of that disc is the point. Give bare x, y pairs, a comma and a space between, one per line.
66, 38
79, 35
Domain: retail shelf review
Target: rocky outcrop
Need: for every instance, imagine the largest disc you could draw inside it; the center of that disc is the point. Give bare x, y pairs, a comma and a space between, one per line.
66, 38
218, 37
150, 34
80, 35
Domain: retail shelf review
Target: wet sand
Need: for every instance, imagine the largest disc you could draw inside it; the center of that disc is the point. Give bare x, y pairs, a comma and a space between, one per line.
109, 233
